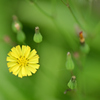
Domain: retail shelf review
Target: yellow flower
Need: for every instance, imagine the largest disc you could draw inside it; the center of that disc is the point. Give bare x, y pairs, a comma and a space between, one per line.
23, 61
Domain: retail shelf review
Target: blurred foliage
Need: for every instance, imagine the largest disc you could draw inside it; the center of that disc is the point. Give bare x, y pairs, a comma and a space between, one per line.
59, 30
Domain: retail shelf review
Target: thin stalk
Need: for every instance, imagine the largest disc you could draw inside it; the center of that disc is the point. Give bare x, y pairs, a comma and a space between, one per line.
90, 5
72, 13
71, 73
54, 2
41, 10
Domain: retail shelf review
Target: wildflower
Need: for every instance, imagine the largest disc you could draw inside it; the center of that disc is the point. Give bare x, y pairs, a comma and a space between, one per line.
23, 61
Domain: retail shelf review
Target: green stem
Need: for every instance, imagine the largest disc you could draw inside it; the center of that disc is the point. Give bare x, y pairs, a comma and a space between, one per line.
71, 73
90, 5
60, 30
46, 14
72, 13
54, 2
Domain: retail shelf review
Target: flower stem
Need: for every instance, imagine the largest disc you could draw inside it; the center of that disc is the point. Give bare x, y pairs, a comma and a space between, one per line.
54, 2
46, 14
90, 5
72, 13
71, 73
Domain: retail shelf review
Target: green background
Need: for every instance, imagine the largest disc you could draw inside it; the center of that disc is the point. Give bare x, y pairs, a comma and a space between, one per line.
59, 36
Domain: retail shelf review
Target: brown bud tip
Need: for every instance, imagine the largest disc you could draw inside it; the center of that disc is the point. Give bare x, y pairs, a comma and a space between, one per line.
17, 26
81, 35
36, 29
82, 40
68, 53
73, 78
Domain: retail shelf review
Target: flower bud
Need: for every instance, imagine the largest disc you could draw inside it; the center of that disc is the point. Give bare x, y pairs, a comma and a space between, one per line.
37, 36
69, 62
85, 48
16, 25
82, 40
72, 84
21, 36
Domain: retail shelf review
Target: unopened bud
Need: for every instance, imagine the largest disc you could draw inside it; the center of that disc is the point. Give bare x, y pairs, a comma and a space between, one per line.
69, 62
73, 78
21, 36
37, 36
37, 29
85, 48
72, 84
16, 25
68, 53
82, 40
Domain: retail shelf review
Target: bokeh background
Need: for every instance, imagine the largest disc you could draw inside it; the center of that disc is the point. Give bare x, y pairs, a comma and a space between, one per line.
59, 28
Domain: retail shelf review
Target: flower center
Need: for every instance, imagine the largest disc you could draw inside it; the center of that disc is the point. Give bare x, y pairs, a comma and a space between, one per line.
22, 61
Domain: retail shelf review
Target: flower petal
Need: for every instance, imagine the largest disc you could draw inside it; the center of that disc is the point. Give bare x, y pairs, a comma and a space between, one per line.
20, 73
28, 71
24, 71
17, 71
10, 55
23, 49
14, 53
14, 68
33, 70
10, 59
32, 54
11, 64
34, 60
18, 49
27, 52
36, 66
